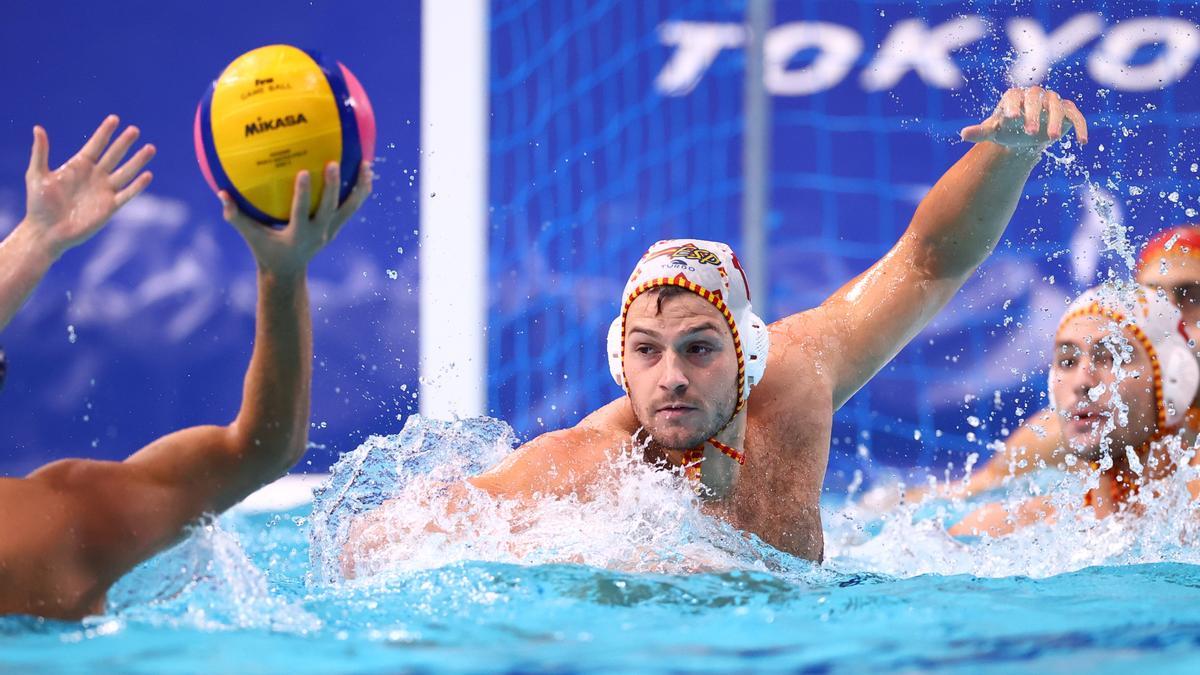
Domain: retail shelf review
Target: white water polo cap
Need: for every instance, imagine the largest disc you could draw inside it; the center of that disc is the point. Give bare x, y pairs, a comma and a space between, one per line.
708, 269
1156, 324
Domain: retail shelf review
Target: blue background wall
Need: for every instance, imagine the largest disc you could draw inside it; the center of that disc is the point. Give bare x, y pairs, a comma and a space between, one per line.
592, 158
161, 301
597, 159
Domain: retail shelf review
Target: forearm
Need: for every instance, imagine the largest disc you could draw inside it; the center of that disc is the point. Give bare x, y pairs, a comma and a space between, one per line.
24, 260
959, 222
272, 425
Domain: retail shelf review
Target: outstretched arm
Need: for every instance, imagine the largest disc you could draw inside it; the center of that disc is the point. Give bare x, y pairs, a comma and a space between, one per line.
122, 513
67, 206
1000, 520
1036, 444
956, 226
211, 468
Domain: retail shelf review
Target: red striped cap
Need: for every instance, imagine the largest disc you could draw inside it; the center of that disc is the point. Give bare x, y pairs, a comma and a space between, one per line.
712, 271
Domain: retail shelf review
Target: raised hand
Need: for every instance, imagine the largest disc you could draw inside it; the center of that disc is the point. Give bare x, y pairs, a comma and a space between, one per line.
1029, 119
288, 250
67, 206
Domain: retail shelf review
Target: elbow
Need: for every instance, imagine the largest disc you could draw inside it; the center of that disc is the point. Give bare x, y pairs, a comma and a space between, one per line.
269, 449
945, 257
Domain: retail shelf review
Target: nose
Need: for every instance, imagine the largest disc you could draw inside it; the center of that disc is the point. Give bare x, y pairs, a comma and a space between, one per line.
1083, 379
671, 375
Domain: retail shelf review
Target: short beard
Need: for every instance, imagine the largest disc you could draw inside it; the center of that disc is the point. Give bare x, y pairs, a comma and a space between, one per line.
657, 444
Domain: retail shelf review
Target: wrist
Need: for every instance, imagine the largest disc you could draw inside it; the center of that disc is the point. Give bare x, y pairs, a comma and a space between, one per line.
34, 245
1029, 154
282, 278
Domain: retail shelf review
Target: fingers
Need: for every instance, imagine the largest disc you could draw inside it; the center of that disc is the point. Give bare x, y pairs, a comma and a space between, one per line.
974, 133
301, 198
981, 132
1033, 110
362, 190
1008, 108
133, 190
1077, 121
329, 195
99, 140
1010, 103
1043, 114
116, 152
126, 173
1054, 124
39, 156
234, 216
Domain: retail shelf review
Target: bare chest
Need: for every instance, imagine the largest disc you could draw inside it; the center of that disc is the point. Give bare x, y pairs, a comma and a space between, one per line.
778, 493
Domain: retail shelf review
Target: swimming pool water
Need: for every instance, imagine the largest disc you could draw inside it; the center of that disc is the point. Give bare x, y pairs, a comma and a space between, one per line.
490, 617
249, 593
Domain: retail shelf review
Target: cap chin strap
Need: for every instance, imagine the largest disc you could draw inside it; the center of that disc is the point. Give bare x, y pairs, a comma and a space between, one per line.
694, 458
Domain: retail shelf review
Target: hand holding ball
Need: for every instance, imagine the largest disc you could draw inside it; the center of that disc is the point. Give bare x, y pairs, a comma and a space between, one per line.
276, 111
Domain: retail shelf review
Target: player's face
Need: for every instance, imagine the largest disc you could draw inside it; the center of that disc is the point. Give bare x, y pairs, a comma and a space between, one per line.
1087, 354
1179, 278
680, 367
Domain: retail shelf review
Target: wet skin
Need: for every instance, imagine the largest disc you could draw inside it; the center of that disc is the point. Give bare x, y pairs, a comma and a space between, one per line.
75, 526
1084, 362
1037, 443
818, 358
1086, 387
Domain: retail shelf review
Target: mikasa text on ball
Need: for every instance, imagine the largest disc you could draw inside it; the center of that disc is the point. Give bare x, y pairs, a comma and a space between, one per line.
273, 112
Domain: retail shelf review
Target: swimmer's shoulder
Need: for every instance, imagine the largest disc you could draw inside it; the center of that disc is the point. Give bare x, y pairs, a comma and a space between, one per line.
107, 506
559, 462
797, 387
801, 346
47, 548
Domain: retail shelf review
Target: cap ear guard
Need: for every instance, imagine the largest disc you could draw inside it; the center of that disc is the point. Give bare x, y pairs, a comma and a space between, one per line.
1181, 374
615, 346
711, 270
756, 335
758, 345
1161, 329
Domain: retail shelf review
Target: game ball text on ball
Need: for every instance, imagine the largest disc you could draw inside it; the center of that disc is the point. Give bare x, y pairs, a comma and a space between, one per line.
276, 111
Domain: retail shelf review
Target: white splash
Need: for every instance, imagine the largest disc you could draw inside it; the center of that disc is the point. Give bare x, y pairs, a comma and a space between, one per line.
635, 518
1162, 525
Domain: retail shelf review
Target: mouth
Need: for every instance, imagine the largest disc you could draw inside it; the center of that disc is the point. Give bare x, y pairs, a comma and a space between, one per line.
1085, 419
675, 411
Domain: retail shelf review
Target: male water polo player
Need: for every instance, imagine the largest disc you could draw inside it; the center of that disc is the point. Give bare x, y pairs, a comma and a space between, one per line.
1170, 263
73, 527
746, 408
1123, 378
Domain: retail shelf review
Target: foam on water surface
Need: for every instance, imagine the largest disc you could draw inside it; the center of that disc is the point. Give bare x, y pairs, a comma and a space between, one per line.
635, 518
635, 577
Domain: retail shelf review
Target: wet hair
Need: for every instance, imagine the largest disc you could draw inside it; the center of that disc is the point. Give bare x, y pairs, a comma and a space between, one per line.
665, 293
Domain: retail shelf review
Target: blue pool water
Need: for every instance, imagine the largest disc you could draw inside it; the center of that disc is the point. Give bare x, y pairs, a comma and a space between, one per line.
259, 592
